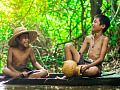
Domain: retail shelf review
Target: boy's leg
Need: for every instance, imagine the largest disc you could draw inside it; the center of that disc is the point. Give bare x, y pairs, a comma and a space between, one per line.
10, 73
39, 74
92, 71
71, 53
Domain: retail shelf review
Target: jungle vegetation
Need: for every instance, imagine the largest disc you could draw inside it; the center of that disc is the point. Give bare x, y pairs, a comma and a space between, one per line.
59, 22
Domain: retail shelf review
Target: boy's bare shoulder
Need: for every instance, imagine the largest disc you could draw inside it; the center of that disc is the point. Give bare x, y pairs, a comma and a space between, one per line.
29, 49
89, 37
12, 48
106, 39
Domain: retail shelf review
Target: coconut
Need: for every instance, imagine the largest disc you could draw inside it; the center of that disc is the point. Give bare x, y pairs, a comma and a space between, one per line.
70, 68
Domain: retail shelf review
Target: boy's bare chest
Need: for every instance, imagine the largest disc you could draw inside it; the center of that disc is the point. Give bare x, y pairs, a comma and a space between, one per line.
94, 52
20, 55
95, 44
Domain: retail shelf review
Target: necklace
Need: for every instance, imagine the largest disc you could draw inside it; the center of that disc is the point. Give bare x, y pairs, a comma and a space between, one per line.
96, 40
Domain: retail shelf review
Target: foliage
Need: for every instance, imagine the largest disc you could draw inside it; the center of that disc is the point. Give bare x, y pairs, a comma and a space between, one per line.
57, 22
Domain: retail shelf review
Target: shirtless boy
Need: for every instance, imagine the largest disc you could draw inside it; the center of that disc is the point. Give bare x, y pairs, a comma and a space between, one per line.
18, 55
98, 44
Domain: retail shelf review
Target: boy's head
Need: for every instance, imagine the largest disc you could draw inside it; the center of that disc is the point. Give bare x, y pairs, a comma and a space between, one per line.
103, 21
20, 31
23, 39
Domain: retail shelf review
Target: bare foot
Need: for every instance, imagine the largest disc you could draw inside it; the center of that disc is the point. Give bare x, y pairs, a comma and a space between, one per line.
64, 77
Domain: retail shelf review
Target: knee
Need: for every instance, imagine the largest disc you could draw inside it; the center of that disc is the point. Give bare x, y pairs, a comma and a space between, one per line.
68, 45
45, 72
94, 72
5, 71
91, 72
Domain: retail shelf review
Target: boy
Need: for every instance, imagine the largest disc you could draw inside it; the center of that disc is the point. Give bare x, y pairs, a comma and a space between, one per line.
98, 44
18, 55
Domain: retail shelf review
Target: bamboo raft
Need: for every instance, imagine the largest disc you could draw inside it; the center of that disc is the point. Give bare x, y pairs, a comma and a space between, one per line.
105, 80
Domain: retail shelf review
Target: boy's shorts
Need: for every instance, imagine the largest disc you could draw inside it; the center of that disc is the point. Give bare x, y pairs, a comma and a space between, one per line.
22, 69
83, 61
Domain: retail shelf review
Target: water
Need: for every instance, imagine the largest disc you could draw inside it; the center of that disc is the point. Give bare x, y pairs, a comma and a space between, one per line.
48, 87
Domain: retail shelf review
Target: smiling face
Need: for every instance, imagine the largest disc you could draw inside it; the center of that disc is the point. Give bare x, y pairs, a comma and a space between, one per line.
96, 27
23, 40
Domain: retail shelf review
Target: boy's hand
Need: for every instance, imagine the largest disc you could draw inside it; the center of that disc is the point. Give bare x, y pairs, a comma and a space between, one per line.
47, 74
84, 68
25, 74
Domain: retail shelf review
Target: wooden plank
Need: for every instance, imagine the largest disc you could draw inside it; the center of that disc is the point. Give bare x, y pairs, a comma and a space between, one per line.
76, 81
111, 80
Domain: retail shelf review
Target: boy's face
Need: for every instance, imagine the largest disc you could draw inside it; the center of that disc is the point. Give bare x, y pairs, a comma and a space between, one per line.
24, 40
96, 27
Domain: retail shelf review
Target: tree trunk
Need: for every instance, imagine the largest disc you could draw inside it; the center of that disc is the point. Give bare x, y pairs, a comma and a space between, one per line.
95, 7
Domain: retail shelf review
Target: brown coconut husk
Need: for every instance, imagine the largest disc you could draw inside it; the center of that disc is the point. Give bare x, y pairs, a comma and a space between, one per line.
70, 68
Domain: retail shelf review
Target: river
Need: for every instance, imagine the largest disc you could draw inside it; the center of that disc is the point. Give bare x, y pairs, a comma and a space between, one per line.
49, 87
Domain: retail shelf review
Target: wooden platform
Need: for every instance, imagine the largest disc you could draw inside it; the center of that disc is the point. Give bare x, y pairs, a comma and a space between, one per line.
109, 80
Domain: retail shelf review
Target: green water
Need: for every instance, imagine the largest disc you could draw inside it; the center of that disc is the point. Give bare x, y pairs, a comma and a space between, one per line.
48, 87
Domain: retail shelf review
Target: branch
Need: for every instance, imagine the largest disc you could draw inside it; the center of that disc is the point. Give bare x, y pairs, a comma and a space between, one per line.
116, 12
27, 11
82, 17
72, 39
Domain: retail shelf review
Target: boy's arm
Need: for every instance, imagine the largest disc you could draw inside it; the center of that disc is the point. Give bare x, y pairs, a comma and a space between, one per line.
33, 60
84, 46
102, 54
9, 61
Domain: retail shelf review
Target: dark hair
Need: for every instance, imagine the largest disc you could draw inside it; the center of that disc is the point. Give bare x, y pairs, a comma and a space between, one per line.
21, 35
103, 20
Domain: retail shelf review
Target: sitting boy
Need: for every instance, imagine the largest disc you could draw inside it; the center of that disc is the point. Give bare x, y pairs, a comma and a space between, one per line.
18, 55
98, 45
